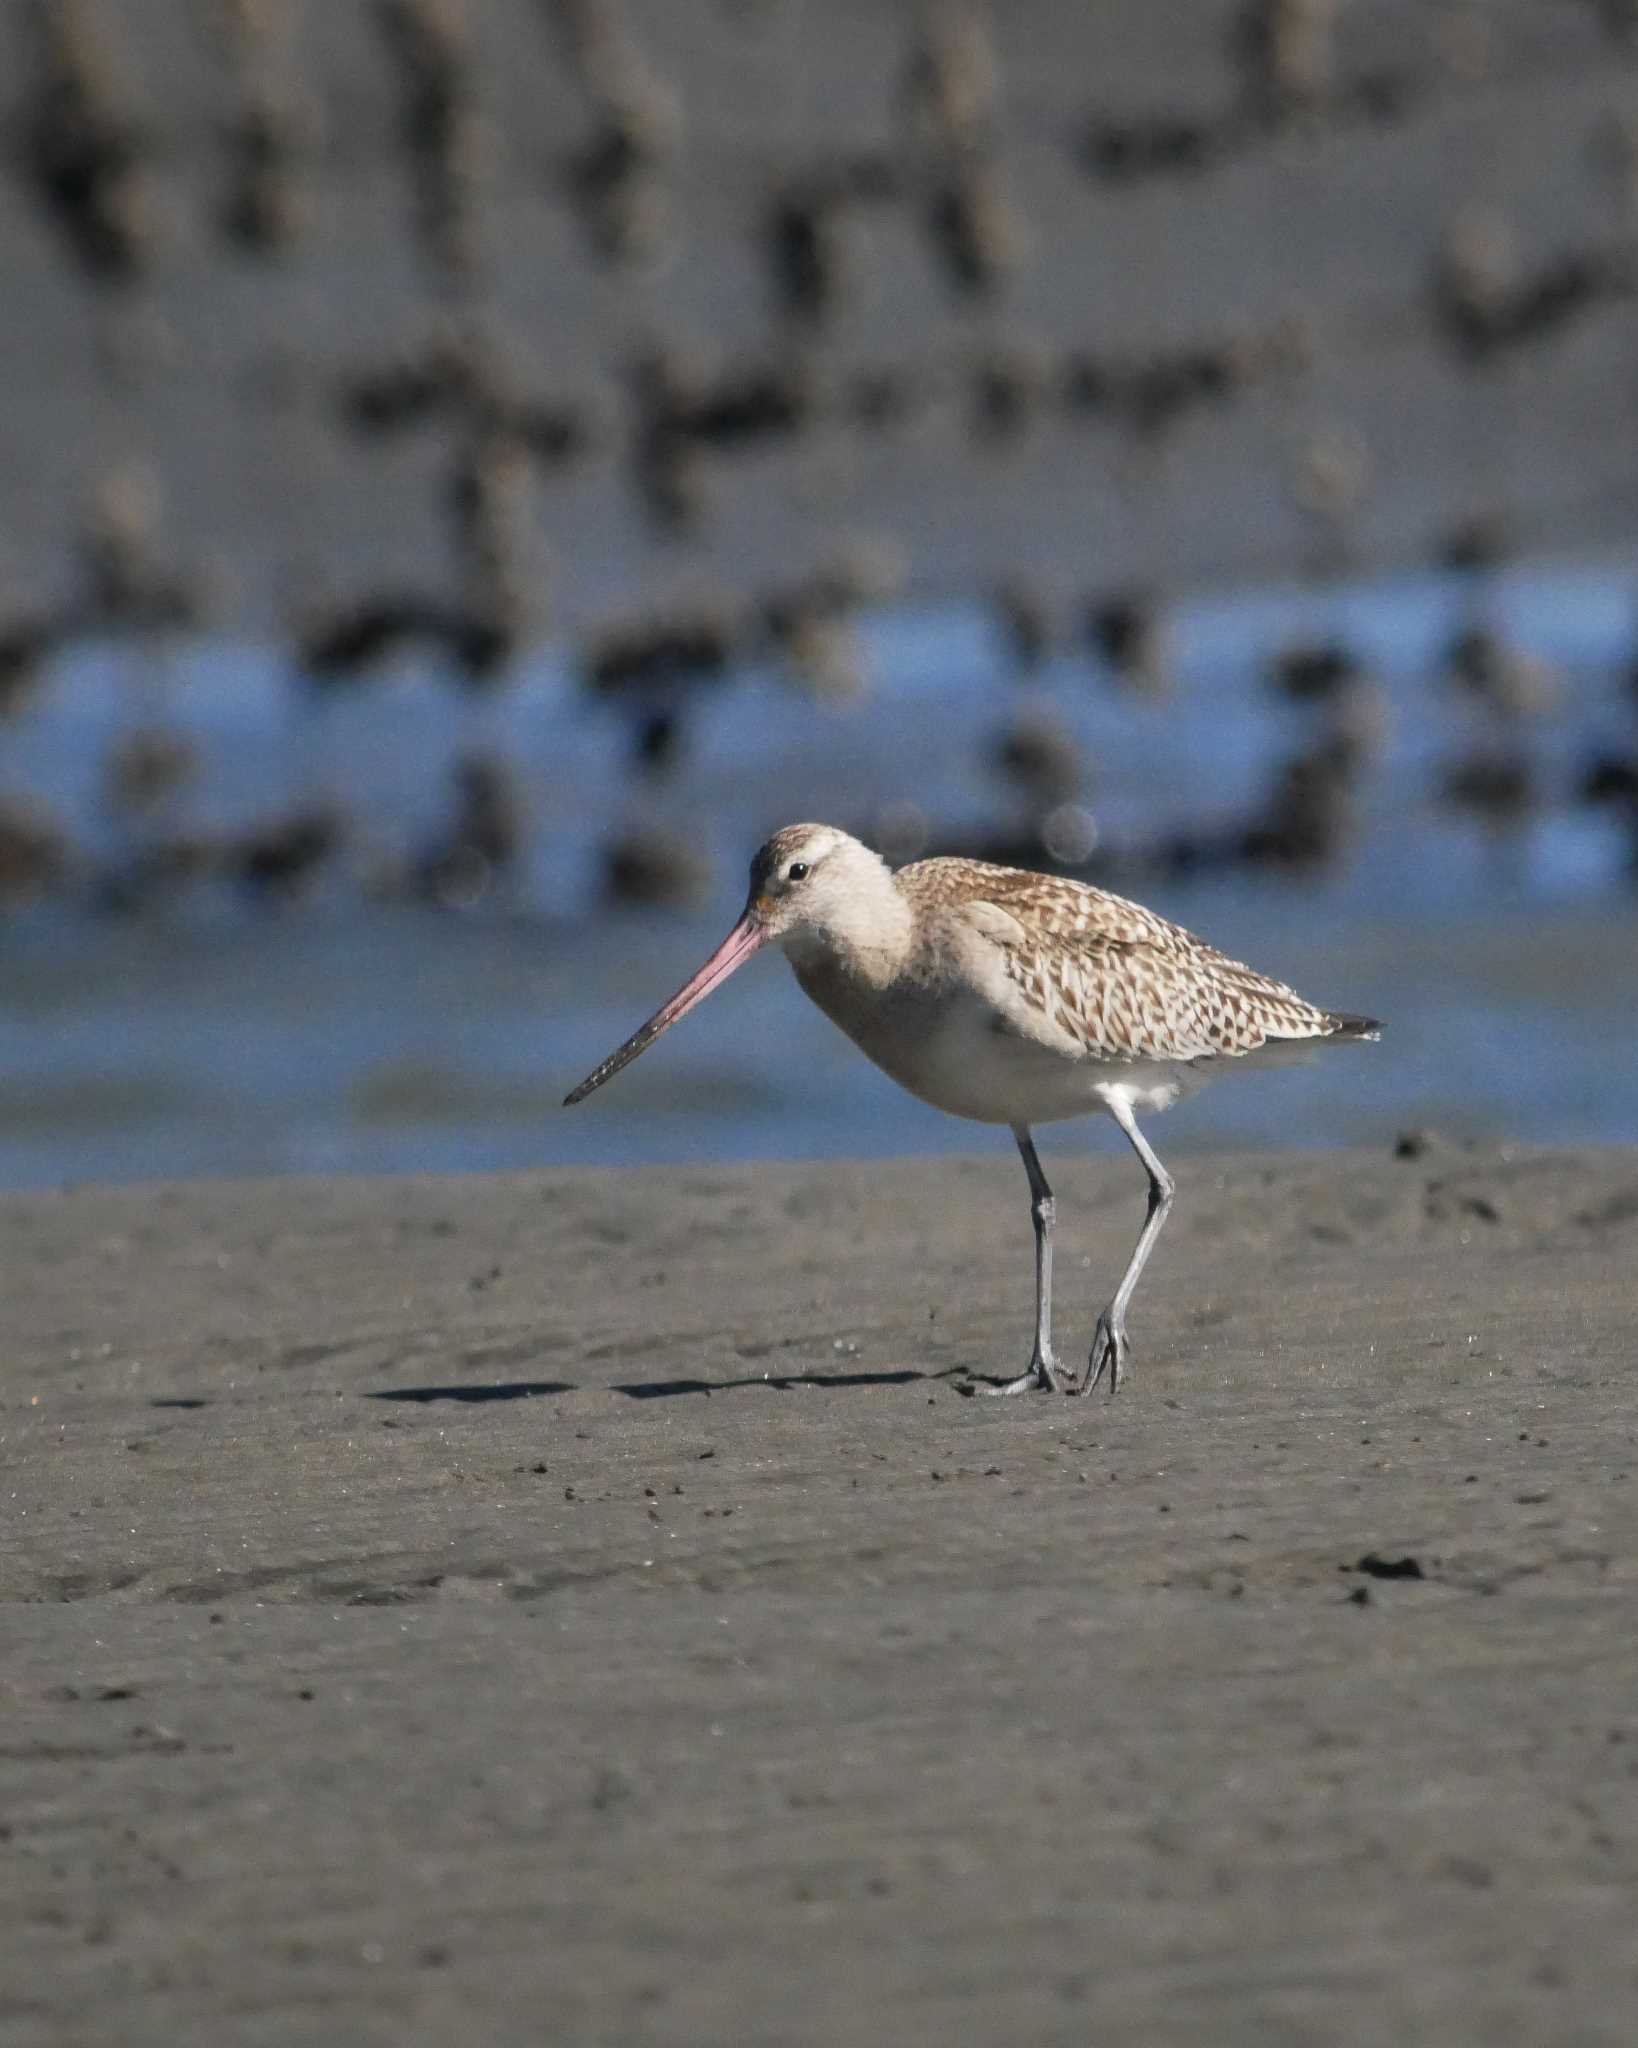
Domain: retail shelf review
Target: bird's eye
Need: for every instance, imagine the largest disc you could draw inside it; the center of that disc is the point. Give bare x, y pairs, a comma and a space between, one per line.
797, 871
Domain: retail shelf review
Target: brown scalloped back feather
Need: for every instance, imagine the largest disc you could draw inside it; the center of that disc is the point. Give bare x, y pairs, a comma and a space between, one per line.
1122, 981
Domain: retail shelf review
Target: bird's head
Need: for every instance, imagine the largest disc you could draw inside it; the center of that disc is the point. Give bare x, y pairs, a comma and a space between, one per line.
814, 890
813, 886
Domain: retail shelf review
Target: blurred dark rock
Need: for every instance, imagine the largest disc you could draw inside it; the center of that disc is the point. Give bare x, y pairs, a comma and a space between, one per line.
462, 377
1009, 384
1128, 634
973, 230
282, 858
484, 839
146, 767
1315, 671
810, 622
1487, 306
1024, 615
151, 875
804, 243
805, 229
266, 207
879, 400
1610, 782
87, 151
28, 643
680, 412
35, 856
616, 178
346, 644
441, 128
340, 645
269, 135
677, 648
947, 95
129, 586
1501, 678
657, 746
656, 869
1611, 779
1285, 53
1309, 816
1039, 755
1121, 150
1494, 784
1477, 544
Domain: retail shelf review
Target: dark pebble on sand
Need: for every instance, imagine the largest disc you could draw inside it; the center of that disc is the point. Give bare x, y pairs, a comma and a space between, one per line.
1376, 1566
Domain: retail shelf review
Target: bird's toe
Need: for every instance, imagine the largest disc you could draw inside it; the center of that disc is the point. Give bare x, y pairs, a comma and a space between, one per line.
1109, 1354
1045, 1376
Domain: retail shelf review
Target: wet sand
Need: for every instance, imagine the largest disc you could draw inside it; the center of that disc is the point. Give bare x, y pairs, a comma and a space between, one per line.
586, 1607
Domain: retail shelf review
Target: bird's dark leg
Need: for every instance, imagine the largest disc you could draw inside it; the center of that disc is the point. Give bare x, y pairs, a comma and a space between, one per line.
1109, 1346
1044, 1369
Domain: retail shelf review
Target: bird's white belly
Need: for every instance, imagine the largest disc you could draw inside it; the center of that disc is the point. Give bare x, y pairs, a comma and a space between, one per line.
958, 1060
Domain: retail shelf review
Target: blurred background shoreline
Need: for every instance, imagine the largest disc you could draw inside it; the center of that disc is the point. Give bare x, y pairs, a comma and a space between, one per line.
468, 472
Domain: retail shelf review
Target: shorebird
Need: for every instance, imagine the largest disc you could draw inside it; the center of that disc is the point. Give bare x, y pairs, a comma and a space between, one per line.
1010, 998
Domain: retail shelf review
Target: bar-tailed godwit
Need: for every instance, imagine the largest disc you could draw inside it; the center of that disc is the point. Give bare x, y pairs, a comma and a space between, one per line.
1011, 998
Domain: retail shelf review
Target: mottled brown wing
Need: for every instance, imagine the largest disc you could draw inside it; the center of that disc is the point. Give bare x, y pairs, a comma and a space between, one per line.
1122, 981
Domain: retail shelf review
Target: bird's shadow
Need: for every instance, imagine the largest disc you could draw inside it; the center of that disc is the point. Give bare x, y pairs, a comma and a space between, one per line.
493, 1390
662, 1390
781, 1382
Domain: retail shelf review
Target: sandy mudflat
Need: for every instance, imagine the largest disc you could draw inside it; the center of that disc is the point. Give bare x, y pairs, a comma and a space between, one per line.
585, 1608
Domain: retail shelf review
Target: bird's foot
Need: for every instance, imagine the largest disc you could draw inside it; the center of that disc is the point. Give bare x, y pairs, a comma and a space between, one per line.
1045, 1375
1109, 1353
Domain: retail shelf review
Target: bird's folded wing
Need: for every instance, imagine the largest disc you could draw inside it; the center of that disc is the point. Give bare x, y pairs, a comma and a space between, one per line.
1124, 984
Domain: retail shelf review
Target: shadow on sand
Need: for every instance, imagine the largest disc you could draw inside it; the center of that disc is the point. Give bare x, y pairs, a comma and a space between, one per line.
494, 1390
662, 1390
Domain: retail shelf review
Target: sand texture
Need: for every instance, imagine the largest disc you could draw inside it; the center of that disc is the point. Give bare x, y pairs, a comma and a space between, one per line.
585, 1607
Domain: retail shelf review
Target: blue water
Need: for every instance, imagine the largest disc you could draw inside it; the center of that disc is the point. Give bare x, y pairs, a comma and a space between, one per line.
338, 1034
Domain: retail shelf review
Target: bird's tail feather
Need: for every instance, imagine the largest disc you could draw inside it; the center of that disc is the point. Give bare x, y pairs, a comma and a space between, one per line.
1352, 1027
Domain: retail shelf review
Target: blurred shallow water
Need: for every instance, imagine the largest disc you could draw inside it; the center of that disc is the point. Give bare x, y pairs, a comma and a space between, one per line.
337, 1035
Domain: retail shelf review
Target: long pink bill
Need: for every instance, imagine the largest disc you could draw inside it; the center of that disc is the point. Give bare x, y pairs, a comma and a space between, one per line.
739, 945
